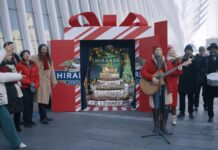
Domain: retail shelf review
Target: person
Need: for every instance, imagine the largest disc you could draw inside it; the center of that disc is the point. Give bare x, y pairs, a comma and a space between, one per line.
200, 77
186, 85
211, 66
6, 121
47, 80
14, 93
159, 101
9, 47
175, 62
29, 85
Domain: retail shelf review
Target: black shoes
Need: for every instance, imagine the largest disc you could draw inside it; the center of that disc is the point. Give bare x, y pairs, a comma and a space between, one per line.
181, 115
210, 120
191, 116
44, 121
18, 128
49, 119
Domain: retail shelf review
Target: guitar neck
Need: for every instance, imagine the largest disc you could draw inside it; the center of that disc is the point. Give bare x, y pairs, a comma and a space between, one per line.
169, 72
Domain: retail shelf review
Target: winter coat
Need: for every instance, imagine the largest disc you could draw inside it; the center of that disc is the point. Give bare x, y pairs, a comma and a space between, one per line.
148, 70
187, 80
6, 77
14, 93
200, 70
31, 74
211, 66
47, 79
175, 78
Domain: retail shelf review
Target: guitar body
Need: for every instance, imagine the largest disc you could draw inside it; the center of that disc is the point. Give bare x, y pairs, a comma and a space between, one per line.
148, 87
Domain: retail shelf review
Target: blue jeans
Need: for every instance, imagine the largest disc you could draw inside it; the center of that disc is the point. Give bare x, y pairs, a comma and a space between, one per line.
8, 128
159, 98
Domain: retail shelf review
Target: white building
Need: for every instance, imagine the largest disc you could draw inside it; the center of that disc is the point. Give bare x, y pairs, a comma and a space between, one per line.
31, 22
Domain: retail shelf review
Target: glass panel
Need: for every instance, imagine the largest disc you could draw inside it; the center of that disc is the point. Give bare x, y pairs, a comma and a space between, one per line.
15, 27
29, 5
32, 28
61, 27
11, 4
58, 9
69, 7
1, 29
18, 45
47, 27
46, 21
44, 8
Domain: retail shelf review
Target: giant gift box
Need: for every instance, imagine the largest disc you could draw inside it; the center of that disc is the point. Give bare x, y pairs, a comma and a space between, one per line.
66, 96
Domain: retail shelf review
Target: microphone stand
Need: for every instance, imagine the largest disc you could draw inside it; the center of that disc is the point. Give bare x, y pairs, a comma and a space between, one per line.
160, 119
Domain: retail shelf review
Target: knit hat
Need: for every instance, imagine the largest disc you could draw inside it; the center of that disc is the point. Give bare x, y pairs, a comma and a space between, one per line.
188, 47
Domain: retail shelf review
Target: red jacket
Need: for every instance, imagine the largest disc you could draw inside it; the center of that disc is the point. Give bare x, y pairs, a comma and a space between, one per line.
31, 74
150, 68
175, 77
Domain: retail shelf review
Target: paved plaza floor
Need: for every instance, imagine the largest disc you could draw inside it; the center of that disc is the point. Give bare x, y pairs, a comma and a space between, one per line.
118, 131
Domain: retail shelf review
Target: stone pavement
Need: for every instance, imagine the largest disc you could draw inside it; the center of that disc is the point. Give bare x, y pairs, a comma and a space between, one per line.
118, 131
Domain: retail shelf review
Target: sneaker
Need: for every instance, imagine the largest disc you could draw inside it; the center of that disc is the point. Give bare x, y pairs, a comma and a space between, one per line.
210, 120
174, 120
196, 109
22, 145
191, 116
181, 115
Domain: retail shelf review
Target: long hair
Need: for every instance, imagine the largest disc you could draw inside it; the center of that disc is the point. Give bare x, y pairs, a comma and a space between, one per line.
40, 53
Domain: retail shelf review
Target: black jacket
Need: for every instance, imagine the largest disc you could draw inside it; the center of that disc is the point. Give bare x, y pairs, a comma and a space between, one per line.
187, 80
199, 69
211, 66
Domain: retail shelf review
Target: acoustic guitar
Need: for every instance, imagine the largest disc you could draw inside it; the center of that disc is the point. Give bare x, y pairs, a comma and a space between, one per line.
149, 88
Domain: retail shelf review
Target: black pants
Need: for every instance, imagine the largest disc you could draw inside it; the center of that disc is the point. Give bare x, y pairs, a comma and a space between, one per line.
198, 87
210, 100
182, 102
28, 105
42, 111
17, 119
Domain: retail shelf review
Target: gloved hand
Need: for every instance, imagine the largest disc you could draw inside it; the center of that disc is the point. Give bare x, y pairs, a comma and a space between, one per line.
32, 87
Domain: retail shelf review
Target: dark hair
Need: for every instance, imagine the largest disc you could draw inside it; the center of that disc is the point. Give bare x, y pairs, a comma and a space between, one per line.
7, 43
188, 47
40, 53
22, 53
201, 48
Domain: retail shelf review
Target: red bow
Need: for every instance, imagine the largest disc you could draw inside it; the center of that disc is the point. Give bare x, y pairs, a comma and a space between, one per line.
108, 20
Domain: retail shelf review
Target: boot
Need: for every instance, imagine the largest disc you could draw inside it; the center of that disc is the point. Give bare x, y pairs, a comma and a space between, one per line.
156, 120
165, 117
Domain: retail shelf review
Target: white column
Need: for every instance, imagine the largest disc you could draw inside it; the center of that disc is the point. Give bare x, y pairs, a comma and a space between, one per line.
53, 19
64, 12
95, 8
39, 21
75, 6
21, 10
6, 24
